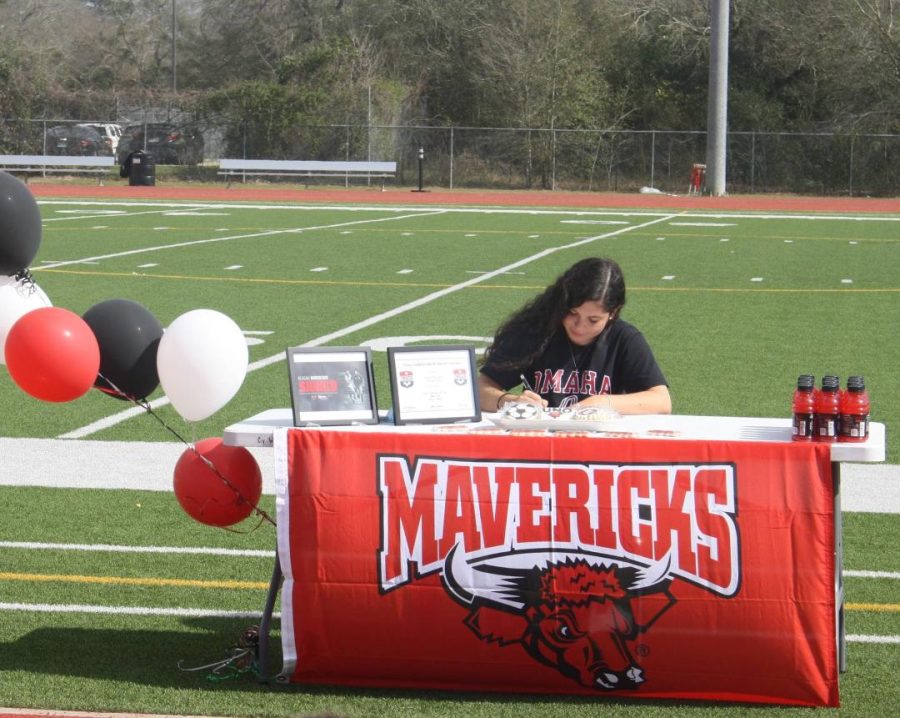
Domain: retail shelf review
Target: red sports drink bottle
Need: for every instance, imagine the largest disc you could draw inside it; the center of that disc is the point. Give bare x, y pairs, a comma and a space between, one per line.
854, 422
828, 409
804, 408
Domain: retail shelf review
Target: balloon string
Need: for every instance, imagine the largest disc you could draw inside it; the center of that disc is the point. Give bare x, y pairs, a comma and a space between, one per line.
26, 279
145, 405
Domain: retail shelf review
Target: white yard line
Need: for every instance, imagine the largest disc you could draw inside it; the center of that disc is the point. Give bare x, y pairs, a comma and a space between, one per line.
230, 238
103, 215
128, 610
118, 548
893, 575
114, 419
484, 210
31, 712
857, 638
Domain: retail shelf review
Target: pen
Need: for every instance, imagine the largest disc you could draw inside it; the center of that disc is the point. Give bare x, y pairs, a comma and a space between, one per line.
525, 382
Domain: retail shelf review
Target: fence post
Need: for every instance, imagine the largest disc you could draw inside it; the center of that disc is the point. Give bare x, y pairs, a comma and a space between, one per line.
850, 189
44, 126
369, 124
653, 158
347, 154
753, 161
451, 157
529, 160
553, 159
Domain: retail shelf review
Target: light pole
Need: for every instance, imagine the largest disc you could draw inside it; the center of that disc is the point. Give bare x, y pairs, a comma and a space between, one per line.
174, 65
717, 111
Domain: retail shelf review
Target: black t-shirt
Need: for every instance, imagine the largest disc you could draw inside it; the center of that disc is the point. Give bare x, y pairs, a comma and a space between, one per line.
619, 361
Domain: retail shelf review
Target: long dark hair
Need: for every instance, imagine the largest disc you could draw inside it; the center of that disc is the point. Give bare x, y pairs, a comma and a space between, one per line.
595, 278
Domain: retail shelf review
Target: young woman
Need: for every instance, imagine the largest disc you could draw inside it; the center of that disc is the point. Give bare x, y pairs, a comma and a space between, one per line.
568, 347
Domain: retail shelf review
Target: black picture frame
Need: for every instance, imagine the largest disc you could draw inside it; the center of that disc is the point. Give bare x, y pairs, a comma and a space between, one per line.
434, 384
332, 386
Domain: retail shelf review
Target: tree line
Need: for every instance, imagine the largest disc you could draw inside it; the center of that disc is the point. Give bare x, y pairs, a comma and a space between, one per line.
814, 87
828, 65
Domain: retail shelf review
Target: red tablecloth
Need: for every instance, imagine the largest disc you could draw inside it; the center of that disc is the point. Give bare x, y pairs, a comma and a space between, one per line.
650, 568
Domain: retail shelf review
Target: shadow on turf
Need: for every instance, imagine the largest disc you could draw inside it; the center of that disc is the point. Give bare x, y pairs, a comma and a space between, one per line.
144, 656
152, 658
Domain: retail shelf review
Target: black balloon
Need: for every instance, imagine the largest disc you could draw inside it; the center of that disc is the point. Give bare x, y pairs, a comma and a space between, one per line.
20, 225
128, 336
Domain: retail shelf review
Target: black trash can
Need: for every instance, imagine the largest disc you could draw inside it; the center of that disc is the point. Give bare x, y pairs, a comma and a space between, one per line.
140, 169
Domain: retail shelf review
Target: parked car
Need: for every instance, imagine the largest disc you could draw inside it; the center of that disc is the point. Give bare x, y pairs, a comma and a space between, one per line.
109, 131
167, 143
75, 140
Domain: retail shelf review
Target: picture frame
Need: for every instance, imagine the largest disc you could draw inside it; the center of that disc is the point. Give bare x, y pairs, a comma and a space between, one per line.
434, 384
331, 386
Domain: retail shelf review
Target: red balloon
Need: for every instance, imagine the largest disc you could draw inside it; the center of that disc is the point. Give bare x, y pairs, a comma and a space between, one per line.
52, 354
205, 495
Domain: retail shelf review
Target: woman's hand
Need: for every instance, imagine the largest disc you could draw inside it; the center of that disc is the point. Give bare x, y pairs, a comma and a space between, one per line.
492, 397
529, 397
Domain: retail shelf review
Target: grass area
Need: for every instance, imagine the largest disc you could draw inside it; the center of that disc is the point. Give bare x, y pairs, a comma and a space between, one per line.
735, 307
120, 662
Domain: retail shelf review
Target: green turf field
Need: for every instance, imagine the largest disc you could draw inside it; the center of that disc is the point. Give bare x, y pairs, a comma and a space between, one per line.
125, 655
735, 306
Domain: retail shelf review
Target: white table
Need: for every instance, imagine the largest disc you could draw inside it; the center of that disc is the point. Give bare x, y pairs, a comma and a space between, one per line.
259, 430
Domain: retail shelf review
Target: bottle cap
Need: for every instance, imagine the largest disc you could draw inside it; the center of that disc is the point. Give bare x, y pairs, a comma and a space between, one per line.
830, 382
856, 383
806, 382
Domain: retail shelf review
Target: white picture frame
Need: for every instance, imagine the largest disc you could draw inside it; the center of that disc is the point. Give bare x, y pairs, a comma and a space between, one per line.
433, 384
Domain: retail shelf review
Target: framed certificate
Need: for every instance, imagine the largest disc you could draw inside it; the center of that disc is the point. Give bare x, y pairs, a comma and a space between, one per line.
433, 384
332, 385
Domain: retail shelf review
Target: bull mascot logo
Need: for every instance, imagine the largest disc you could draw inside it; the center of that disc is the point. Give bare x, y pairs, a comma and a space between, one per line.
574, 612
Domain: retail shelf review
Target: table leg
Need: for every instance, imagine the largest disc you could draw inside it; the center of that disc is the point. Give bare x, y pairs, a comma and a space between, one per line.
839, 569
266, 620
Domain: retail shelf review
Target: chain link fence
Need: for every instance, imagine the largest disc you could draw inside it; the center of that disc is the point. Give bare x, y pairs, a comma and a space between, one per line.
512, 158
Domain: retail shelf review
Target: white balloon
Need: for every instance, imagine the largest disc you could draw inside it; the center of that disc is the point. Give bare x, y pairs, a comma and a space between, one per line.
202, 361
17, 298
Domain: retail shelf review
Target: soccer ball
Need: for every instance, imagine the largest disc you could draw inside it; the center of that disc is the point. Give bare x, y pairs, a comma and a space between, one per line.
520, 410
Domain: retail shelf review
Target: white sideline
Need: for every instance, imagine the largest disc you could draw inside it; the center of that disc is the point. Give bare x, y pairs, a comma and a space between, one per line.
90, 464
149, 466
32, 712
